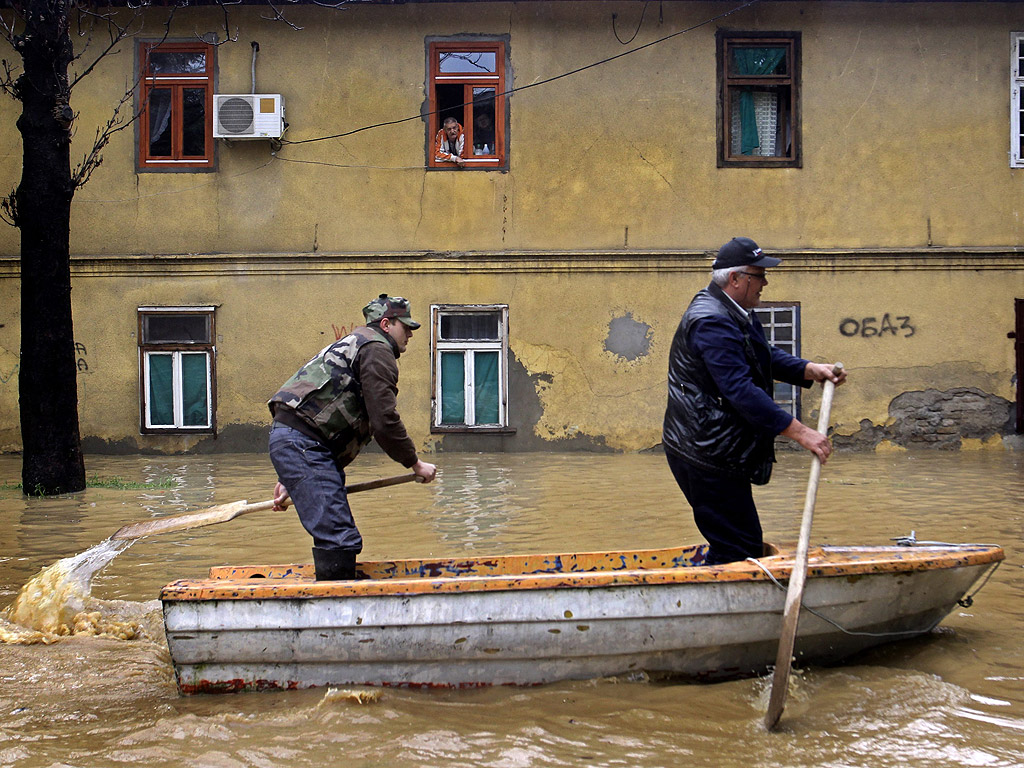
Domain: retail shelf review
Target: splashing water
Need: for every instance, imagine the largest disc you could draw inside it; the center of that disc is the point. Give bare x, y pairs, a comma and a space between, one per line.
57, 603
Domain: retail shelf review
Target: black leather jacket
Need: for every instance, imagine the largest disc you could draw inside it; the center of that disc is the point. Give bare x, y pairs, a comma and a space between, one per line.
703, 427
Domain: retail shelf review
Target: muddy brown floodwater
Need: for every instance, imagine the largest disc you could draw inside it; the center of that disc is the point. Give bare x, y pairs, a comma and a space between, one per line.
106, 696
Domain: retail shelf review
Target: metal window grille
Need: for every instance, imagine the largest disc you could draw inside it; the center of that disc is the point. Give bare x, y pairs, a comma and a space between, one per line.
782, 328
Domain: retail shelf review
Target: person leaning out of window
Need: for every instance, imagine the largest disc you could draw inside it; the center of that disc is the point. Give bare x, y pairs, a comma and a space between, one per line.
450, 143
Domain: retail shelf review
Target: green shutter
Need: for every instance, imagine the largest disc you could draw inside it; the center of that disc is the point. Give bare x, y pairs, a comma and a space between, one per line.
485, 390
453, 388
161, 390
194, 394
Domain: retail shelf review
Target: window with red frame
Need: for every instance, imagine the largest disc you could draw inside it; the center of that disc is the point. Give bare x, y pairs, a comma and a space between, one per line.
176, 120
466, 82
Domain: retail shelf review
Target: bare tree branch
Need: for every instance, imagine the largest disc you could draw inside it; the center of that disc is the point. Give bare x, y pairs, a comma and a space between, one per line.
117, 33
278, 16
94, 158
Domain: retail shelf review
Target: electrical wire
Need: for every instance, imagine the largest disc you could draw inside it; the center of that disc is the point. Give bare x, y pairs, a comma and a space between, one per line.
518, 89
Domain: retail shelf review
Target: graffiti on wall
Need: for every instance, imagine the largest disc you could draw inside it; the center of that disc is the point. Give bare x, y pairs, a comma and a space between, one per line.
341, 331
80, 354
8, 365
872, 327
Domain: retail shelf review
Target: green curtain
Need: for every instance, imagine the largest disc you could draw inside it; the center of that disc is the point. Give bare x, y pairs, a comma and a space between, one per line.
453, 388
752, 61
485, 390
161, 390
193, 390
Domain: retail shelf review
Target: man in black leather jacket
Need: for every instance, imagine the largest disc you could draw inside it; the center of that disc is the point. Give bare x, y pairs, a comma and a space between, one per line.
721, 422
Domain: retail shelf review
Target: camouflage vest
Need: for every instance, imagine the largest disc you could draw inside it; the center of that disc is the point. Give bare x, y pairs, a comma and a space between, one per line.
326, 395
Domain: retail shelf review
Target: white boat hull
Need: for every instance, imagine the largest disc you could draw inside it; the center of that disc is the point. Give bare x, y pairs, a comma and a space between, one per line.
698, 629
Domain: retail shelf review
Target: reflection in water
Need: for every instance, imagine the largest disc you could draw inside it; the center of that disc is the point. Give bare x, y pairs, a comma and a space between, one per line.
954, 698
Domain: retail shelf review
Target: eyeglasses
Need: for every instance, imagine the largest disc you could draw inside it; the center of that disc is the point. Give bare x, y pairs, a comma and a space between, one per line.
760, 276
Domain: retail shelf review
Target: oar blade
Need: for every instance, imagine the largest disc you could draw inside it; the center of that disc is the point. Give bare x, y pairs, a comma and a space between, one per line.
218, 514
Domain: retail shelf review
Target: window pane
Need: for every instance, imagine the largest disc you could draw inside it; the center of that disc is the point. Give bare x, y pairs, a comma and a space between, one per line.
756, 128
469, 62
453, 388
758, 61
159, 111
465, 327
177, 62
483, 121
161, 390
163, 329
193, 390
193, 116
485, 387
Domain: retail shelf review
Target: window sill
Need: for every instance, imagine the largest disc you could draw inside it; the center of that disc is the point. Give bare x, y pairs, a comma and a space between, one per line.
464, 430
177, 431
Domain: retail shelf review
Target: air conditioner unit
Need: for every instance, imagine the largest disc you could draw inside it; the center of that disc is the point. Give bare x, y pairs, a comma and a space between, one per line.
248, 115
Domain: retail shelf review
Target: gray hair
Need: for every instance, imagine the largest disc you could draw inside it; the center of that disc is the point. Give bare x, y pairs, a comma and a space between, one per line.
720, 277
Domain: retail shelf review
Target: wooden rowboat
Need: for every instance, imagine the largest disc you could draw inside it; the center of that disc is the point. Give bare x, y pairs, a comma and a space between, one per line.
534, 619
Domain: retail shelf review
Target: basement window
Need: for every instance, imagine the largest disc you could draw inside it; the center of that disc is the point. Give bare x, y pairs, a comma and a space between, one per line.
469, 351
781, 322
176, 369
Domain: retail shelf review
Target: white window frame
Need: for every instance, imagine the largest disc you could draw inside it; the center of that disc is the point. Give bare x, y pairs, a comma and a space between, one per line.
1016, 98
178, 395
770, 309
439, 345
177, 350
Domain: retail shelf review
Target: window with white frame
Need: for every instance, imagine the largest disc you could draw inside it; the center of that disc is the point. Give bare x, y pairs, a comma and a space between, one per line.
781, 322
1017, 100
469, 347
176, 367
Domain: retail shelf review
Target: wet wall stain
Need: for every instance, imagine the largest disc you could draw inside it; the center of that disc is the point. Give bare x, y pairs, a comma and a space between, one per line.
628, 338
525, 412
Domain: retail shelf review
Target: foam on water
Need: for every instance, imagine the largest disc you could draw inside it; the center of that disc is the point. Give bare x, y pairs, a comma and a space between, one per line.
57, 602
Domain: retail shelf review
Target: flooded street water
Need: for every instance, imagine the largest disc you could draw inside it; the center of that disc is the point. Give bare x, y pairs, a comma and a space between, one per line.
954, 698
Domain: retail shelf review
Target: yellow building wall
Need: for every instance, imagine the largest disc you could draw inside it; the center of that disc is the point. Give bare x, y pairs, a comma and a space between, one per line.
905, 205
904, 116
946, 328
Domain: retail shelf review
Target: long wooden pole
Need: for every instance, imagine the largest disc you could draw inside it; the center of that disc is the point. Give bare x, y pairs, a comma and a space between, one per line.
795, 593
225, 512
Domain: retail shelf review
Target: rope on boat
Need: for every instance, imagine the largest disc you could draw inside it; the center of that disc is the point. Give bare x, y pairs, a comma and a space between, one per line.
911, 541
966, 602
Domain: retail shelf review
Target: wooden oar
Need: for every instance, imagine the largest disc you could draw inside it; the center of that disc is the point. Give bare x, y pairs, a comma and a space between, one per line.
795, 593
225, 512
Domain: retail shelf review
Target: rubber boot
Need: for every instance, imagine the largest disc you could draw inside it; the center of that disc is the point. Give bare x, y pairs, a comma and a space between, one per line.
334, 564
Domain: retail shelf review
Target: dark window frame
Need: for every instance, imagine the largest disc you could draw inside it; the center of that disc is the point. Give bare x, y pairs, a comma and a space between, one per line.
497, 158
176, 84
208, 347
726, 40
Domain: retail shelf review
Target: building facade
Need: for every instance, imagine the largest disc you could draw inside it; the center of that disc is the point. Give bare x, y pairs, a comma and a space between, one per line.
277, 180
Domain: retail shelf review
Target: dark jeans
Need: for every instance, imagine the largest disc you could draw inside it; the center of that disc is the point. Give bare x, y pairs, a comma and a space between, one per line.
723, 508
317, 486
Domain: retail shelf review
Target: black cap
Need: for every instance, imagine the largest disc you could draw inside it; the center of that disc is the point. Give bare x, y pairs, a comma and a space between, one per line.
743, 252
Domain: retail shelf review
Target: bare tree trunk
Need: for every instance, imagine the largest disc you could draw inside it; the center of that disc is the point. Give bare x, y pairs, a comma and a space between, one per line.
52, 461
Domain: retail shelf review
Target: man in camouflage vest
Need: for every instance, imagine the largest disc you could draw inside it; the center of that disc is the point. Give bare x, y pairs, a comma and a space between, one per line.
325, 415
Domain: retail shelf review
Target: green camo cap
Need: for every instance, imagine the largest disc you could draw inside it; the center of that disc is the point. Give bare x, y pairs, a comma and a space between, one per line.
394, 307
